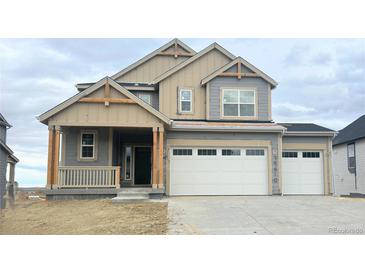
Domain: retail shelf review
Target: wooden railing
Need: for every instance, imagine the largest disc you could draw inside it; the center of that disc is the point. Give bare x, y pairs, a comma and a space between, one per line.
88, 177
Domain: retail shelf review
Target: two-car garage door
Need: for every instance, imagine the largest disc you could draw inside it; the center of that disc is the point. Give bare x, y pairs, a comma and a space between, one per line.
218, 171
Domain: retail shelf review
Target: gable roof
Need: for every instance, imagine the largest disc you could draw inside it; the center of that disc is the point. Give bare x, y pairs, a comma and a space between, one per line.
153, 54
306, 129
192, 59
43, 117
3, 121
245, 63
354, 131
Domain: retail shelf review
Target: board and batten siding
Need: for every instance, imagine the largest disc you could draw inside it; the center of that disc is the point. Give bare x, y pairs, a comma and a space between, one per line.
150, 69
190, 77
3, 166
72, 147
226, 136
261, 86
97, 114
3, 133
343, 179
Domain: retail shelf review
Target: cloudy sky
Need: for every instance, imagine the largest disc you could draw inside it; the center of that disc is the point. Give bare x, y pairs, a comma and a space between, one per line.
320, 81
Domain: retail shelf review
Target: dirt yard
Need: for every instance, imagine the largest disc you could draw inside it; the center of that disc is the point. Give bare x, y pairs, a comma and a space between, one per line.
84, 217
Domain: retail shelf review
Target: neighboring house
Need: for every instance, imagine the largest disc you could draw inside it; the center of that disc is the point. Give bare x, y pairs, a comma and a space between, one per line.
349, 158
6, 157
185, 123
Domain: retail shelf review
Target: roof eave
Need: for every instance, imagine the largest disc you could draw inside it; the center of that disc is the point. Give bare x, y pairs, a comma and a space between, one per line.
310, 133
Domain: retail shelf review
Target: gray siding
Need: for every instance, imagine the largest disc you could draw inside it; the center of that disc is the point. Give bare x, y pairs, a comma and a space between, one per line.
154, 96
236, 136
3, 165
305, 140
220, 82
3, 133
72, 147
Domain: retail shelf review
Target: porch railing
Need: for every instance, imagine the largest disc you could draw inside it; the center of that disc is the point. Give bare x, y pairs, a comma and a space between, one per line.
88, 177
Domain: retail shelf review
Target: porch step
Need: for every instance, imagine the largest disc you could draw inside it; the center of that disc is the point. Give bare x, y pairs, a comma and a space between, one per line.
132, 194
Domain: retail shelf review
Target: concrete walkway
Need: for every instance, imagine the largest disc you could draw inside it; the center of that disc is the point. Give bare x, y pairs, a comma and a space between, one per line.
266, 215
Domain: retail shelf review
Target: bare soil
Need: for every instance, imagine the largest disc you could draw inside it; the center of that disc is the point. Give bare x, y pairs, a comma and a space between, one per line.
86, 217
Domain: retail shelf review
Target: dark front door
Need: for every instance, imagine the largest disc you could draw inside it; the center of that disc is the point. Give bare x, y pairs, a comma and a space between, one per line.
142, 166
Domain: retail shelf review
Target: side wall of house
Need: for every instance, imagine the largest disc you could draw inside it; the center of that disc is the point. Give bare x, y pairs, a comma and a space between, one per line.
3, 166
71, 147
190, 77
3, 133
263, 93
153, 94
308, 143
343, 179
224, 138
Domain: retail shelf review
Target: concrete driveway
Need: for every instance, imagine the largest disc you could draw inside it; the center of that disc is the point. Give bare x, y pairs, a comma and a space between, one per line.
266, 215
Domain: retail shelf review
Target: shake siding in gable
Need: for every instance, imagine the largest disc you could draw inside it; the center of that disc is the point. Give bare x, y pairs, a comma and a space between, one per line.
217, 83
190, 77
152, 68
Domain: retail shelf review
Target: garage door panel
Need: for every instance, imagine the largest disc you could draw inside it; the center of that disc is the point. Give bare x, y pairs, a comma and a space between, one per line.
218, 174
303, 175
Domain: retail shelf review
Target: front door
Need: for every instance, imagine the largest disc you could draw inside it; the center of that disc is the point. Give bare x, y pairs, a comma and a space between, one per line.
142, 166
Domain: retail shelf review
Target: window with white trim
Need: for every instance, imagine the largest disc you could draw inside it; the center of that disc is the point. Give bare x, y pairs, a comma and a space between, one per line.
207, 152
239, 103
185, 101
255, 152
145, 97
351, 160
87, 149
231, 152
182, 152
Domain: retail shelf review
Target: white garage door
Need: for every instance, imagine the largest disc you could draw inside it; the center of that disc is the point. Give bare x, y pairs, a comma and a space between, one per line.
303, 172
218, 171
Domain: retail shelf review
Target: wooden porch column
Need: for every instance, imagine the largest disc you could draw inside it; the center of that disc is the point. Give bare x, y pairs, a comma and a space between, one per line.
56, 155
154, 159
50, 157
160, 158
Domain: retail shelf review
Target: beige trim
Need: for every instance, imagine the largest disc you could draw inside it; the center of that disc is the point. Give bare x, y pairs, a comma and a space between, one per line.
207, 101
179, 111
280, 159
96, 144
153, 54
326, 158
192, 59
56, 157
310, 133
160, 158
103, 124
245, 63
110, 146
50, 157
63, 146
269, 91
219, 143
250, 88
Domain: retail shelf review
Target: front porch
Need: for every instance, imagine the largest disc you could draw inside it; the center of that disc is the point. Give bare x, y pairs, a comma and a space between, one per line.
86, 160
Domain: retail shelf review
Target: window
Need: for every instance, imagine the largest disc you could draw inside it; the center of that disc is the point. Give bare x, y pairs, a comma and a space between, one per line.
310, 154
207, 152
239, 103
290, 154
351, 160
128, 161
87, 145
255, 152
231, 152
145, 97
182, 152
185, 100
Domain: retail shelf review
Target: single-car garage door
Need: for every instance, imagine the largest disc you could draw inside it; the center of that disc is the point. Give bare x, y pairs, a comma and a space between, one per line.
218, 171
303, 172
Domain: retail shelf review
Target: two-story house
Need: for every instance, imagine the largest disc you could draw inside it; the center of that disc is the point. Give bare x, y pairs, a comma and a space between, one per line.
7, 158
184, 123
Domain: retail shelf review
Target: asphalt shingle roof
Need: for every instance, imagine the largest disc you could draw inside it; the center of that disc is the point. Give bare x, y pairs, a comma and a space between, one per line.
304, 127
354, 131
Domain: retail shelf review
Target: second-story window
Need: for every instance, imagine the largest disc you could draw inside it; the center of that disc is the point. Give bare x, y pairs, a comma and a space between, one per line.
239, 103
145, 97
185, 101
